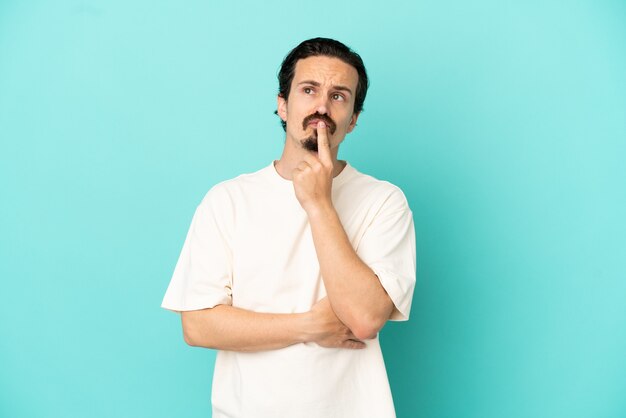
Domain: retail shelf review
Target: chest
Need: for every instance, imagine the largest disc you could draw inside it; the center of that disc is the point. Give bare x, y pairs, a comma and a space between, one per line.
275, 266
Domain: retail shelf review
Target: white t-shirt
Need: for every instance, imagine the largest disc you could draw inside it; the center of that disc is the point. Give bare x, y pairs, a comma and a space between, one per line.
250, 246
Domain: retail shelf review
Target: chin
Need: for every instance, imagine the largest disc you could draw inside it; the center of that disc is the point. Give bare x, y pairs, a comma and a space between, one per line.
309, 144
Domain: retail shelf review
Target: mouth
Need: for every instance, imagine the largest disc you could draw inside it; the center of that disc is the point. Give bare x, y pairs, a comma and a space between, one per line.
312, 120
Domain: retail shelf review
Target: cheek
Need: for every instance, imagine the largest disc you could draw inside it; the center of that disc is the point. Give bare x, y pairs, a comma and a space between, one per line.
293, 114
346, 125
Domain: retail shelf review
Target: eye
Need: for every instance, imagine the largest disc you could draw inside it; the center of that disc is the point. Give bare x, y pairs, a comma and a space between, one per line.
337, 96
307, 90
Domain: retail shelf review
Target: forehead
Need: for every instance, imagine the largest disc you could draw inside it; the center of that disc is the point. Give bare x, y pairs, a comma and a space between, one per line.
326, 71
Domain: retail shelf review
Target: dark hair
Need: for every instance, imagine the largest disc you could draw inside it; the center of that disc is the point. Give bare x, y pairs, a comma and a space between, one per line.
322, 47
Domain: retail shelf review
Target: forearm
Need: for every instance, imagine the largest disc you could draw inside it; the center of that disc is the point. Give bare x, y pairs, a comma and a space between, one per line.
229, 328
354, 291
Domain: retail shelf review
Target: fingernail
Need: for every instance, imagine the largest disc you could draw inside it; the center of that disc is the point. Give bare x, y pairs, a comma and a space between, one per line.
321, 124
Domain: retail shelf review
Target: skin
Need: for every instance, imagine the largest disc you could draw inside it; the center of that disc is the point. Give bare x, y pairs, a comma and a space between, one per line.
357, 306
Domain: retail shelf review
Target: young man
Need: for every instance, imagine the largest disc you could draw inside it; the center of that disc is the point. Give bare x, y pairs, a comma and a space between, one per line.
291, 271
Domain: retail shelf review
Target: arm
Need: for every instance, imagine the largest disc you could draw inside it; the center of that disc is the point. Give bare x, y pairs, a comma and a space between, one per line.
355, 293
225, 327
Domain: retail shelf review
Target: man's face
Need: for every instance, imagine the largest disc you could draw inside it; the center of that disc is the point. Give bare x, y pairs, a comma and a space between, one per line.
322, 88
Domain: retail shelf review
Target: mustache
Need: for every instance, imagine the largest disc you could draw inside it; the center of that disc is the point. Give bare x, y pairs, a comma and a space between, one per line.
332, 126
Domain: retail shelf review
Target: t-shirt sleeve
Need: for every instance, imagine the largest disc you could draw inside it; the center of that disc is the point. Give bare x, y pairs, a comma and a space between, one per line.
203, 274
388, 248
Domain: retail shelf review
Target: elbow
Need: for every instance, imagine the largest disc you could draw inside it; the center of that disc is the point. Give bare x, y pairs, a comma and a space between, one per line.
365, 334
191, 333
366, 325
367, 329
189, 337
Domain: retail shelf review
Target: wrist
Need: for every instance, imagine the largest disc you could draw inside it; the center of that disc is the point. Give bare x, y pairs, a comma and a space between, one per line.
320, 211
305, 334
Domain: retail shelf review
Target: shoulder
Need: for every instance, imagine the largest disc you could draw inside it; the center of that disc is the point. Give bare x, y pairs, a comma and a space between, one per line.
227, 191
387, 194
217, 209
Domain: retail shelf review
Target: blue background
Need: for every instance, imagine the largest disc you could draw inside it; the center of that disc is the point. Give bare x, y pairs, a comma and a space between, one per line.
503, 122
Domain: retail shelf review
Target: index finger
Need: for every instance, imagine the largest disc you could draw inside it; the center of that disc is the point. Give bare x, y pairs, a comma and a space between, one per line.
323, 145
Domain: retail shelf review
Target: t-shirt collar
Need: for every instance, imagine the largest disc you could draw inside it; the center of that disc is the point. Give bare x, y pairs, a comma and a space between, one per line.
339, 179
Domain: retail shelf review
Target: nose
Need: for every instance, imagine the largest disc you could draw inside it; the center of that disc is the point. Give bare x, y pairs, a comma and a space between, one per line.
322, 105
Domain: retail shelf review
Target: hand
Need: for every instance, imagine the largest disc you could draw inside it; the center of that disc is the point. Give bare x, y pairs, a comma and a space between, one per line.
313, 177
327, 330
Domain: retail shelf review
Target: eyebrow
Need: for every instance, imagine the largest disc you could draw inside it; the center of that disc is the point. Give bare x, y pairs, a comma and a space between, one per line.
316, 84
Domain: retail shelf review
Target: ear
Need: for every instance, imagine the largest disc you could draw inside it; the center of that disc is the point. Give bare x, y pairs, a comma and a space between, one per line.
352, 125
282, 107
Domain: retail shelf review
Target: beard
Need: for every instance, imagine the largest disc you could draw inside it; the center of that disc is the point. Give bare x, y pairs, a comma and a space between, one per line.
310, 143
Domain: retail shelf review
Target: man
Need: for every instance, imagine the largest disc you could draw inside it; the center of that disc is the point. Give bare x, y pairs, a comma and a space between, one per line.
291, 271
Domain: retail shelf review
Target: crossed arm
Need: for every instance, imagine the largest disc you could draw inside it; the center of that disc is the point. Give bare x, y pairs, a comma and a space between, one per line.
352, 311
356, 308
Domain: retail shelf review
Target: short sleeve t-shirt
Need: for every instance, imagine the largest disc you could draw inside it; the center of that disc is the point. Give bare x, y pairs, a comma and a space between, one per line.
250, 246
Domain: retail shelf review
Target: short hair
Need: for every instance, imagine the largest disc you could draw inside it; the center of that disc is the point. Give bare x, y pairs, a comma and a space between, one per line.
328, 48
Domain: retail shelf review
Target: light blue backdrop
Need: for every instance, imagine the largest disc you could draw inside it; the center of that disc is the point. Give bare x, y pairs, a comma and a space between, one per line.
504, 123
